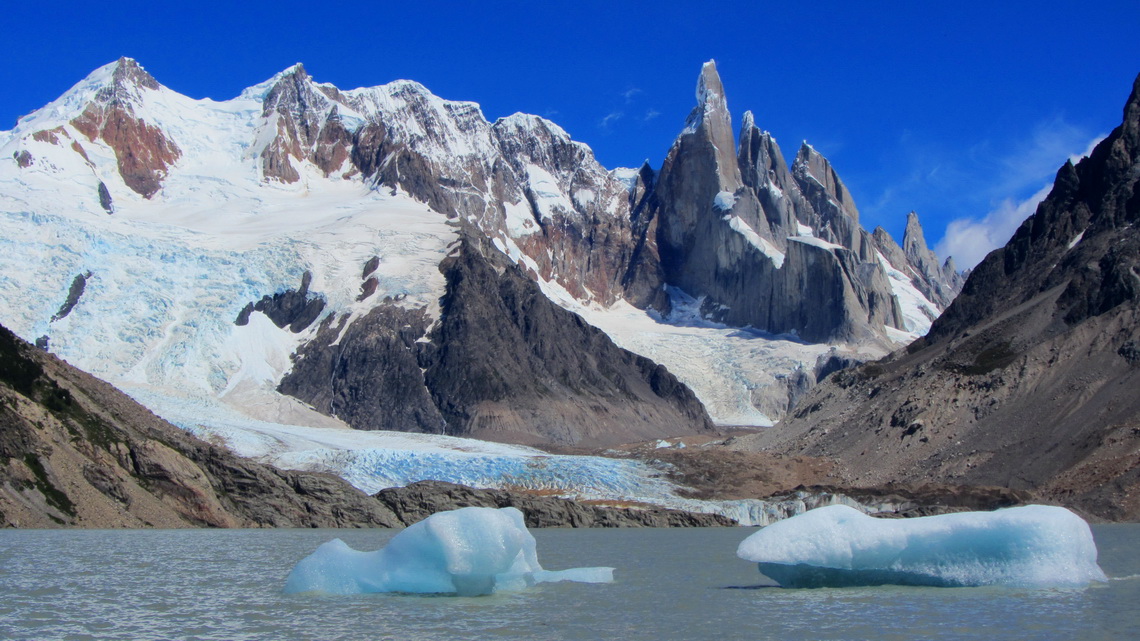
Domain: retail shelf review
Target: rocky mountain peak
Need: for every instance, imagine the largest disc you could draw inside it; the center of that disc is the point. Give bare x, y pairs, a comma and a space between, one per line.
541, 141
939, 282
711, 122
114, 115
914, 241
297, 71
710, 90
308, 126
747, 121
813, 166
129, 72
1027, 380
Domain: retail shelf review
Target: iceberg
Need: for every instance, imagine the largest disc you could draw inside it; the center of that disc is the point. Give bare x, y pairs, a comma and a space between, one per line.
838, 546
470, 551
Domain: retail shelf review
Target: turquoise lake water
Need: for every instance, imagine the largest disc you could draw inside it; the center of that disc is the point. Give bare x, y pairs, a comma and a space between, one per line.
669, 584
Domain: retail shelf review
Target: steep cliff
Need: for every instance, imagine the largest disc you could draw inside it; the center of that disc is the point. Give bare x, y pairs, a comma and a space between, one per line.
504, 363
763, 245
75, 451
192, 232
1029, 379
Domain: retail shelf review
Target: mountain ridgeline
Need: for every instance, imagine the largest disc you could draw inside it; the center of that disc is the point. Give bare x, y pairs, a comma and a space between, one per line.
535, 219
1029, 379
720, 227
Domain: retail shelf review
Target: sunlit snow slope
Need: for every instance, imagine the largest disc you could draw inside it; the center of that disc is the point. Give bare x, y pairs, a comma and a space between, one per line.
161, 280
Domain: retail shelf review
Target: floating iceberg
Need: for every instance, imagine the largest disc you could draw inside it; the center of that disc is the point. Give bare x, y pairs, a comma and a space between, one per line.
470, 551
837, 546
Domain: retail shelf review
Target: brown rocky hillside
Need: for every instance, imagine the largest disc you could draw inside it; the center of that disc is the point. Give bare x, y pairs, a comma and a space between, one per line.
1031, 378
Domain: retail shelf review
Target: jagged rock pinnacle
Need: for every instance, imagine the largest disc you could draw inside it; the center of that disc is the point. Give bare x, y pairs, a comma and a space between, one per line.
129, 72
710, 91
914, 240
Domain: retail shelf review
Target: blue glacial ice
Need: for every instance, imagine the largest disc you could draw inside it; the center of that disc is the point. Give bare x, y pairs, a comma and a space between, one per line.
838, 546
470, 551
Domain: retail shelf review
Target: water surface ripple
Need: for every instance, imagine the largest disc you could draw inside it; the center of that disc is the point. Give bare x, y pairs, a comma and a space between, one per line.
669, 584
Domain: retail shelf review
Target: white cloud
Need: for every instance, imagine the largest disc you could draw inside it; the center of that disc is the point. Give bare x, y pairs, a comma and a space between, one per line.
968, 240
611, 118
1075, 158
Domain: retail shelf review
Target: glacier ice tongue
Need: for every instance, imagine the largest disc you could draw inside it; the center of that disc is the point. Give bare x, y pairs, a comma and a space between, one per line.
838, 546
470, 551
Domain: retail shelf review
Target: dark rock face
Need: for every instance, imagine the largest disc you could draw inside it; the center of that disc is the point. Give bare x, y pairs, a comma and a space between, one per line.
78, 285
418, 501
105, 198
503, 363
1026, 381
293, 308
371, 377
550, 371
75, 452
731, 229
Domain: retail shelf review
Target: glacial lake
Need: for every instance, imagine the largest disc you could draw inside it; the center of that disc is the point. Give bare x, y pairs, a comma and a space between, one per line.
669, 584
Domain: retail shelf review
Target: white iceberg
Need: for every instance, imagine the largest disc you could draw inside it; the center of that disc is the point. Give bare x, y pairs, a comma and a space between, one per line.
470, 551
837, 546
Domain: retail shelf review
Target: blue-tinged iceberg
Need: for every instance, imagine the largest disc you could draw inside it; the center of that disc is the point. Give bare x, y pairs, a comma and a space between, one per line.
470, 551
837, 546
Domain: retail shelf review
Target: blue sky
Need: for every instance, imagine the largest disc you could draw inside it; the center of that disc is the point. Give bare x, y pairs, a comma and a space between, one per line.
959, 111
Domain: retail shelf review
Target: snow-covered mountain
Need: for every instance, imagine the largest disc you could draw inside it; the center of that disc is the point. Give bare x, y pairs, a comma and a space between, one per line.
396, 261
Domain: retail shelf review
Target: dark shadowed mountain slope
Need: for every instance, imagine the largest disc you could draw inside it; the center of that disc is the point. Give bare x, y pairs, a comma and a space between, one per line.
504, 364
1030, 379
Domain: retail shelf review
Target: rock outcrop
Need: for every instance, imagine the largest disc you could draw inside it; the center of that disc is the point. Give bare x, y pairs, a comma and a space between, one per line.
75, 452
504, 363
1028, 380
143, 151
296, 309
717, 224
760, 244
418, 501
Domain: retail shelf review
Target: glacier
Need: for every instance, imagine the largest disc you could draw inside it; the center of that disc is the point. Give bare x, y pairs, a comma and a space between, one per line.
471, 551
1030, 546
169, 275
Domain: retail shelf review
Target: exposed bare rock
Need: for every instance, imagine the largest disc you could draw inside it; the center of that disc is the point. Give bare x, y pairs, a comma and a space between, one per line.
418, 501
78, 286
764, 246
504, 363
308, 127
368, 374
75, 452
105, 198
296, 309
939, 283
1028, 380
143, 151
